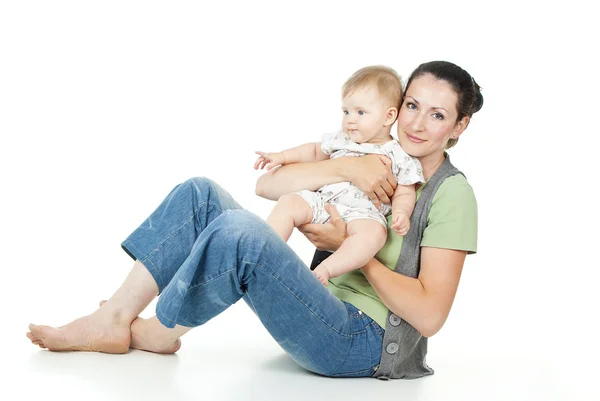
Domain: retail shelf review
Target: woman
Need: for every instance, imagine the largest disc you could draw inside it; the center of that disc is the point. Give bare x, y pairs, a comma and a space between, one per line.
202, 253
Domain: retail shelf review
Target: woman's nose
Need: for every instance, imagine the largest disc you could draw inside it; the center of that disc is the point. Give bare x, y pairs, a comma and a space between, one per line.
418, 122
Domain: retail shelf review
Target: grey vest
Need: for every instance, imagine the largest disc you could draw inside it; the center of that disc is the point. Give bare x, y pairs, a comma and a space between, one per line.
404, 348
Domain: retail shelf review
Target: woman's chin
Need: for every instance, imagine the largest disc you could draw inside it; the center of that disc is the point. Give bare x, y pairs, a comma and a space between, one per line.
412, 149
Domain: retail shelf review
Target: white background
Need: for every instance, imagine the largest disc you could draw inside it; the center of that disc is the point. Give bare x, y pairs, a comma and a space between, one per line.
105, 106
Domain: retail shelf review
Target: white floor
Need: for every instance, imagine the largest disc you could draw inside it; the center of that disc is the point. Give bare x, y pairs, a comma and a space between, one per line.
253, 367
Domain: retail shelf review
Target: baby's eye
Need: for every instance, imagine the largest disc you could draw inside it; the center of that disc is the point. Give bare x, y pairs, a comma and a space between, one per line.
360, 112
345, 112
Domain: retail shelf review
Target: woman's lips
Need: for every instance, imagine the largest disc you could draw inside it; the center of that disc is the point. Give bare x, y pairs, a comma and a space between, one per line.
414, 139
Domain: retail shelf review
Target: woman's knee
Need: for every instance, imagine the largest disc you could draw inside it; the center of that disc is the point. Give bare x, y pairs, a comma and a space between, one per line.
201, 184
210, 192
240, 223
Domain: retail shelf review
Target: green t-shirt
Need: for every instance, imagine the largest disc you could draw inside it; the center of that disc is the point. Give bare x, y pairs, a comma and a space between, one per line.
451, 224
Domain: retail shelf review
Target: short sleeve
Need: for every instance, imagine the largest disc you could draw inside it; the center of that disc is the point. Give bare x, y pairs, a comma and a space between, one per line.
452, 220
331, 142
409, 169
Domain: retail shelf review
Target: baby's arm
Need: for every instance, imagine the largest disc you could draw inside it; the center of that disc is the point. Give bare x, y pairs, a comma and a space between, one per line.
309, 152
403, 204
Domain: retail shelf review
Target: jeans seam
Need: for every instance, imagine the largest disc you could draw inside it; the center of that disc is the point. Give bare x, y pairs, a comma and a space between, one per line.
177, 230
174, 233
343, 361
363, 331
369, 344
368, 370
209, 280
132, 244
380, 331
162, 314
177, 321
145, 260
183, 321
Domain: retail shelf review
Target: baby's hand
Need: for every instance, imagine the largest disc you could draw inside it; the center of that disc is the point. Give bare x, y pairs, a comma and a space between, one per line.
269, 160
400, 223
322, 274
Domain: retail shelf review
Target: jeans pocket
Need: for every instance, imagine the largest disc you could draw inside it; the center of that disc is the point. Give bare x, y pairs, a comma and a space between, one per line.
378, 330
376, 334
364, 355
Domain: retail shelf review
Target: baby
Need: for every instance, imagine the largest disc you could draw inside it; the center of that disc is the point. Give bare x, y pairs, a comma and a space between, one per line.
371, 98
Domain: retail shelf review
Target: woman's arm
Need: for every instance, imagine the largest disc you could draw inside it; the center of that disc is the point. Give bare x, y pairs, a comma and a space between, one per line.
372, 174
425, 301
297, 176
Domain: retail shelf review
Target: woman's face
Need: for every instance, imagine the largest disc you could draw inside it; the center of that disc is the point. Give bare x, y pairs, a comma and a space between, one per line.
427, 118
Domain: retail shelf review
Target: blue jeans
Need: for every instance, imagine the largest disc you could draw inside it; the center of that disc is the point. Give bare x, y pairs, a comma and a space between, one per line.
205, 253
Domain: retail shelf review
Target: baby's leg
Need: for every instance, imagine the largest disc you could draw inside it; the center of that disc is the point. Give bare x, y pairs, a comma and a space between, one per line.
290, 211
366, 238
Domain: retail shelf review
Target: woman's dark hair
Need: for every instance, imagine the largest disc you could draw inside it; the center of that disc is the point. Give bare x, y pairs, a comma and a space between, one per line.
467, 90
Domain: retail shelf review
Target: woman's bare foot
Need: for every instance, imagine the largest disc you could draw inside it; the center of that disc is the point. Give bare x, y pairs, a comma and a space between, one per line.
97, 332
150, 335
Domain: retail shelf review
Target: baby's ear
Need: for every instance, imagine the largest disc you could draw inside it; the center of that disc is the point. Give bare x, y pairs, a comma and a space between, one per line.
390, 116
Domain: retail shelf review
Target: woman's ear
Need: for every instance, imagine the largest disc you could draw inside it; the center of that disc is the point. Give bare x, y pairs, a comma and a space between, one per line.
460, 127
390, 116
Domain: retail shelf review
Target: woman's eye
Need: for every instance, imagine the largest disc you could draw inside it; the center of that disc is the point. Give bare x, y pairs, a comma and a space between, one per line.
438, 116
411, 106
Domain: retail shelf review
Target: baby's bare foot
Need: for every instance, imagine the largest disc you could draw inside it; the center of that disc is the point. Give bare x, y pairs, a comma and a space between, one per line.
324, 280
96, 332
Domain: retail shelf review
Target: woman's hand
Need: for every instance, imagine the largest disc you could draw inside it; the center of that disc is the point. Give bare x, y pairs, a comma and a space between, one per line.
328, 236
373, 175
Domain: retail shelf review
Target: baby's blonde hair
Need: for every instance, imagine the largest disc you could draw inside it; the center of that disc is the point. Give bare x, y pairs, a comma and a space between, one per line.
385, 79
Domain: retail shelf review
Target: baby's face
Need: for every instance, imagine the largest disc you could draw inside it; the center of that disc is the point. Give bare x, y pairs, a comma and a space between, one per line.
364, 114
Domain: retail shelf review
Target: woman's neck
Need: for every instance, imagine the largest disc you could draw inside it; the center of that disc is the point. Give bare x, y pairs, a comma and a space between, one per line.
431, 163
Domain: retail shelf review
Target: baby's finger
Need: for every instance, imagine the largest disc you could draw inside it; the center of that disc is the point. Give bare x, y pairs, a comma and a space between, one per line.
405, 228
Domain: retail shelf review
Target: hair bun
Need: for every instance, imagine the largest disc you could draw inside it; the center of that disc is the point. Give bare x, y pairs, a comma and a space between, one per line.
478, 103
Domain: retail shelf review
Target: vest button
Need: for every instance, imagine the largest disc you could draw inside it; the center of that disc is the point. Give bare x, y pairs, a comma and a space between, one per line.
391, 348
394, 320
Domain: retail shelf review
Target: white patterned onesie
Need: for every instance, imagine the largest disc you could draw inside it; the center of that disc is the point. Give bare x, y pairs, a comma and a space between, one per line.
351, 202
